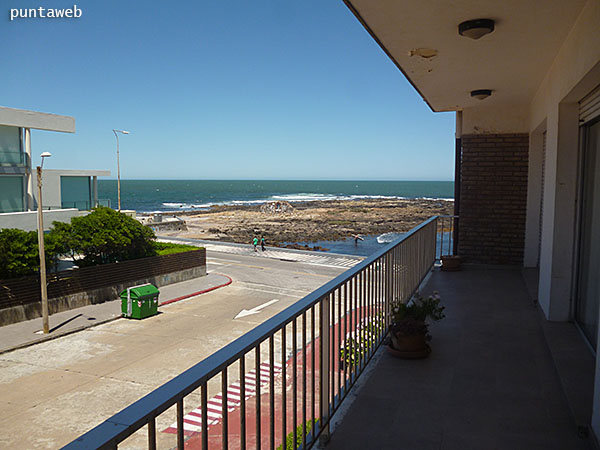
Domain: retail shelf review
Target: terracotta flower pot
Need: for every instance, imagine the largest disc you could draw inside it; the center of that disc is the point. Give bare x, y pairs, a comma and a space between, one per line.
409, 347
450, 263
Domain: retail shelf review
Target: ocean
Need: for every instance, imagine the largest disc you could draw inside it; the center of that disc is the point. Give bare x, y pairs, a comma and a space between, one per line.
184, 195
147, 196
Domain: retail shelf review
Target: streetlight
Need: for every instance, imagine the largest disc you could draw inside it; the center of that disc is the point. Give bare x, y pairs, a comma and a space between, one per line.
118, 166
41, 246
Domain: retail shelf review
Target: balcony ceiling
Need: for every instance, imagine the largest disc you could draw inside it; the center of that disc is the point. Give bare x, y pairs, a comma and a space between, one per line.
512, 61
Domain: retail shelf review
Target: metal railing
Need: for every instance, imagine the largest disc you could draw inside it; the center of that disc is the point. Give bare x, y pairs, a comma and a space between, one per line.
447, 239
81, 205
292, 372
84, 205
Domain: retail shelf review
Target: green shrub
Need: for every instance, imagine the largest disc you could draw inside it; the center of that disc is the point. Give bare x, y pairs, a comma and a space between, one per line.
355, 346
106, 236
289, 440
19, 255
166, 248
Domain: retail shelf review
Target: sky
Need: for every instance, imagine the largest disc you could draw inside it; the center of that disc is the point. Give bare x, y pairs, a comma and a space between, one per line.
221, 90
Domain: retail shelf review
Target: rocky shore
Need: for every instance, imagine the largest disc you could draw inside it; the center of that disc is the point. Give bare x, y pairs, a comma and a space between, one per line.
310, 221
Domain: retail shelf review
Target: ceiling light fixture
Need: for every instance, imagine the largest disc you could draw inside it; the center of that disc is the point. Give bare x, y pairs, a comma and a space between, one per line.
481, 94
477, 28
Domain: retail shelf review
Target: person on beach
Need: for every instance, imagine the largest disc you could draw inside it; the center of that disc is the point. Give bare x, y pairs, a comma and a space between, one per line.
255, 243
356, 238
262, 243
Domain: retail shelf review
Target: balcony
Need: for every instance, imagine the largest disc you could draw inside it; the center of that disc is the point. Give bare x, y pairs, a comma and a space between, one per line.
84, 205
13, 159
489, 383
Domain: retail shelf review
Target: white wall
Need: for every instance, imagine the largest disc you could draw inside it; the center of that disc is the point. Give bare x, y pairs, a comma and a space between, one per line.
484, 119
50, 189
27, 221
534, 196
573, 74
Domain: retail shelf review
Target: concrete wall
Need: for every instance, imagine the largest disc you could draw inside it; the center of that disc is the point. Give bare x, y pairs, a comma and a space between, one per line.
34, 310
37, 120
574, 73
50, 189
485, 119
27, 221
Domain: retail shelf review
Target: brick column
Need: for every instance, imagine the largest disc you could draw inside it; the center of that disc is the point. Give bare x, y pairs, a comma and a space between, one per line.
493, 198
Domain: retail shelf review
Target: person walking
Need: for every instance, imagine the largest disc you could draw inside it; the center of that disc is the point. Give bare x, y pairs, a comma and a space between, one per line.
255, 243
262, 243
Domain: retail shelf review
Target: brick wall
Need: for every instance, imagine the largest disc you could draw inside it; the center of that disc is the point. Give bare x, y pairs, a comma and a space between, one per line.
493, 198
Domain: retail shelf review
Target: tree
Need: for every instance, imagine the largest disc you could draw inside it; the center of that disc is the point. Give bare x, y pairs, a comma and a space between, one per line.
106, 236
19, 255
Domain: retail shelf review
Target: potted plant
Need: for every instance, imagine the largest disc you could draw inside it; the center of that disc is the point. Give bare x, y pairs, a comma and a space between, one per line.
409, 329
450, 263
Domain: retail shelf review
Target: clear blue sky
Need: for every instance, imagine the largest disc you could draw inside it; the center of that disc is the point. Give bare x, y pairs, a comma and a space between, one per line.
221, 90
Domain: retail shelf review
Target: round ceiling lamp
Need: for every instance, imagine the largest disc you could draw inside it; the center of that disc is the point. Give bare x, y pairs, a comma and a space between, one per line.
481, 94
476, 29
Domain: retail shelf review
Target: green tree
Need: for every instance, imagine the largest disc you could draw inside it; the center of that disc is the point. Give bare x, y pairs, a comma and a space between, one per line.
106, 236
19, 255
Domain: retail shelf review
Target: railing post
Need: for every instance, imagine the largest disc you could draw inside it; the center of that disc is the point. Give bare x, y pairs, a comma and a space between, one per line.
388, 287
324, 372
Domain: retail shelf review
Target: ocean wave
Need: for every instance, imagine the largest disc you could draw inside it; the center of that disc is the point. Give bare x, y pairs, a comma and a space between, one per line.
293, 198
386, 238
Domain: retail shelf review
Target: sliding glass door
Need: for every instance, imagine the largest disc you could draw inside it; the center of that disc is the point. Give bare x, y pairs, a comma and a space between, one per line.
588, 279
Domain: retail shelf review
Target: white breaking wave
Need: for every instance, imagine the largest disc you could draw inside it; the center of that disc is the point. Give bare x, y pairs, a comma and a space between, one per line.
386, 238
294, 198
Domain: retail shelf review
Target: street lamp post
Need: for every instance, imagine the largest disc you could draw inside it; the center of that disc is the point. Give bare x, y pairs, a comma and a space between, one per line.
44, 291
118, 166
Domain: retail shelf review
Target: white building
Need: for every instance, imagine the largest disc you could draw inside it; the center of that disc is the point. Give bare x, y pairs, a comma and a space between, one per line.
65, 193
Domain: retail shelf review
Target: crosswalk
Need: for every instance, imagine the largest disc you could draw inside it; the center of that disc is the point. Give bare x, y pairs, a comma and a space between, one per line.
192, 421
320, 259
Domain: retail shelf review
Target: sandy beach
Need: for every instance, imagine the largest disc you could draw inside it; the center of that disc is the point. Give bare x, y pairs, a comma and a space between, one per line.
309, 221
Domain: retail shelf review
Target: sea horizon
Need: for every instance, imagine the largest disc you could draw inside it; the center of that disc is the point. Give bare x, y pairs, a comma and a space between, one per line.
154, 195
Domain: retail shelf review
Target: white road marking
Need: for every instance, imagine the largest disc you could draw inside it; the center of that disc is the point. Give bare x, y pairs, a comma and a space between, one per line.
192, 421
255, 310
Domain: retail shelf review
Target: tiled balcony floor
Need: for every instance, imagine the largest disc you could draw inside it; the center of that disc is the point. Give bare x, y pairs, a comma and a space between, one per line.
489, 383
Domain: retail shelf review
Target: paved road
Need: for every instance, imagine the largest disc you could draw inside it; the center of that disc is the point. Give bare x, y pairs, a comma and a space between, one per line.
309, 257
54, 391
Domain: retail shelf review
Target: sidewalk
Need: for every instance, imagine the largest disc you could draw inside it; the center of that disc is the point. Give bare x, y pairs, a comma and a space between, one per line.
26, 333
284, 254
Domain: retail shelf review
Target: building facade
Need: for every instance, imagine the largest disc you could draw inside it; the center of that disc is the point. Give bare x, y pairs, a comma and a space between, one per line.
65, 192
524, 80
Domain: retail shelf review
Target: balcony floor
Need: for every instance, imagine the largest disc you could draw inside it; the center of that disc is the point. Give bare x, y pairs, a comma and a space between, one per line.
489, 382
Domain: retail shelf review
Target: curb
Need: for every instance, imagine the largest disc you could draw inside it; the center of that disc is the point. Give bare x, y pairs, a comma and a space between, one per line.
110, 319
193, 294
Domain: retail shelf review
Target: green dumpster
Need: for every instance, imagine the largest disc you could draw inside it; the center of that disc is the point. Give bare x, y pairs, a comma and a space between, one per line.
138, 302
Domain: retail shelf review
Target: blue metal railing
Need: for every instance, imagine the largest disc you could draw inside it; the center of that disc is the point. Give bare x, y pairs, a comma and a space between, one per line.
347, 315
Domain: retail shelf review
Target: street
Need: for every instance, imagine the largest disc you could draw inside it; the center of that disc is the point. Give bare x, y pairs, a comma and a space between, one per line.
52, 392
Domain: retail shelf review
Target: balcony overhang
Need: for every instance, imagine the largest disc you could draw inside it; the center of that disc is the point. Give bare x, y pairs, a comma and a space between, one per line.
37, 120
422, 39
78, 173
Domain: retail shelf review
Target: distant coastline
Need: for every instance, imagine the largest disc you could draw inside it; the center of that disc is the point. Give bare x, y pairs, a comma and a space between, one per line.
179, 196
312, 225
